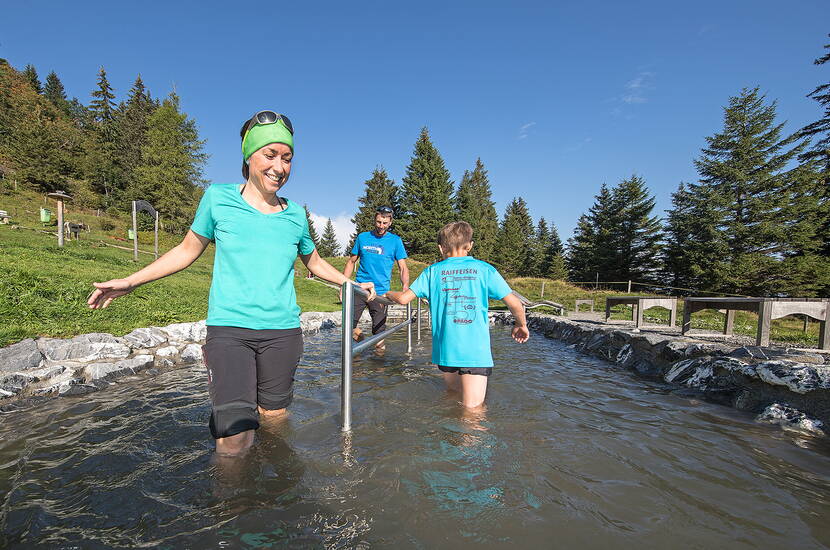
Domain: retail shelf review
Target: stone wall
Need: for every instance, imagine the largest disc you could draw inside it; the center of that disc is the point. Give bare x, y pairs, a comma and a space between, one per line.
32, 370
782, 386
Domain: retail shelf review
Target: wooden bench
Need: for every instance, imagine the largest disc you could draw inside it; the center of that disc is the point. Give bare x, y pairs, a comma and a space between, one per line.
641, 303
767, 310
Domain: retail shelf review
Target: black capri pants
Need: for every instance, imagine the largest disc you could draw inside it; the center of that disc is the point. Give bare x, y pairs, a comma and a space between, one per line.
246, 368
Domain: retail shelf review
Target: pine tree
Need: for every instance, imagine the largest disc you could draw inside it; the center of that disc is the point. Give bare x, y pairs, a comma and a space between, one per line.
426, 204
746, 167
637, 234
131, 121
312, 231
516, 239
54, 92
30, 73
552, 261
329, 246
103, 167
818, 158
592, 251
380, 191
170, 176
38, 145
695, 249
103, 104
474, 204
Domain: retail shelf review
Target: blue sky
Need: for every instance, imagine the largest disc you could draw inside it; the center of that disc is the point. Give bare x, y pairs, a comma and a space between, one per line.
556, 98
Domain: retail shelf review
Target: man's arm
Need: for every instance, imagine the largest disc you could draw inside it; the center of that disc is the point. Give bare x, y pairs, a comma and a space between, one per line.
520, 332
404, 273
402, 297
348, 269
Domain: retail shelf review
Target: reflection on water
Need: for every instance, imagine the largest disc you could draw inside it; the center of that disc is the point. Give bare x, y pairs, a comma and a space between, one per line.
568, 452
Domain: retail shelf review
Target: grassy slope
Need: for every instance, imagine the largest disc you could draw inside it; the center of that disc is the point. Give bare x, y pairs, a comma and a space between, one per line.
43, 288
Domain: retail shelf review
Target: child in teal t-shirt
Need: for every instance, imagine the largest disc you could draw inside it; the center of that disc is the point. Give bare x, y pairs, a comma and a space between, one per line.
458, 289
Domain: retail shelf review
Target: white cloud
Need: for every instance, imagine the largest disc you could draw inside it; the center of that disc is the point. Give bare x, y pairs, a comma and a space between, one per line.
343, 227
523, 129
637, 87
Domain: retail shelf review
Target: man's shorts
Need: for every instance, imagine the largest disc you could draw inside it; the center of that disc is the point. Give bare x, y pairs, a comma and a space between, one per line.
481, 371
377, 312
246, 368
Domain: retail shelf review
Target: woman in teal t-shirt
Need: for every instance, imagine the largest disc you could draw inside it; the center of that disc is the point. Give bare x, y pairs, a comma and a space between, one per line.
254, 341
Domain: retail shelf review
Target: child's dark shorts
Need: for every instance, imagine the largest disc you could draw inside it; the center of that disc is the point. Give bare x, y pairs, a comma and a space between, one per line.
481, 371
246, 368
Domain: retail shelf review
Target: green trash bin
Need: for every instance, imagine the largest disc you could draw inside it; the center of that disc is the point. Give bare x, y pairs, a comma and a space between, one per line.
130, 235
45, 215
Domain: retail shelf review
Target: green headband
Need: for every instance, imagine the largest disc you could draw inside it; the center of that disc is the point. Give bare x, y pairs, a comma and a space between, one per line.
261, 135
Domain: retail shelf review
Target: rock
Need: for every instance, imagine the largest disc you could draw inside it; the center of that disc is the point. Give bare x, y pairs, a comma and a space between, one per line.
186, 332
749, 352
192, 353
84, 348
799, 378
314, 321
167, 351
16, 382
99, 371
146, 338
20, 356
791, 419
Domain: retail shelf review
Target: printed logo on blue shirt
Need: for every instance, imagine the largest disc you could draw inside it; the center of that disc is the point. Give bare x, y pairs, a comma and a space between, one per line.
372, 249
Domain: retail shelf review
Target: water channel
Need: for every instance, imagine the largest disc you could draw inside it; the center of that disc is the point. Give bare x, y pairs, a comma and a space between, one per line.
571, 452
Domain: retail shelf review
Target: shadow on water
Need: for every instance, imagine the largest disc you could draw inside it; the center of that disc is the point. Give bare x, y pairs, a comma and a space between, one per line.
570, 451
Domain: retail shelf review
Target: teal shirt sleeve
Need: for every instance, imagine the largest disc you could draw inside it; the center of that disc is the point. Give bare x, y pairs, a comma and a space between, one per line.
204, 222
306, 244
497, 287
420, 286
356, 247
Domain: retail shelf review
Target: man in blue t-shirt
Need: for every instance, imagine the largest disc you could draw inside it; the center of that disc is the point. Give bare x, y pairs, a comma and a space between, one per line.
376, 252
459, 289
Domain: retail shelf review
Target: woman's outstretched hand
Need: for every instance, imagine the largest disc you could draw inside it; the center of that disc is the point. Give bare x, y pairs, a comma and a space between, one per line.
105, 293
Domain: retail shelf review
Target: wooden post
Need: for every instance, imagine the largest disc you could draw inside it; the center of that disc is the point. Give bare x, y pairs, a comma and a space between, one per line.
543, 289
806, 322
135, 235
156, 236
730, 322
629, 287
607, 310
687, 318
637, 313
60, 222
764, 320
824, 331
673, 316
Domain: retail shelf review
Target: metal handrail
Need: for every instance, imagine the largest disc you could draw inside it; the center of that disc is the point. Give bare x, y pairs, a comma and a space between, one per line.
347, 348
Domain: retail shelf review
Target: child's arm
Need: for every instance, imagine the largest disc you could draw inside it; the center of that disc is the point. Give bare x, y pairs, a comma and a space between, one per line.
403, 297
520, 332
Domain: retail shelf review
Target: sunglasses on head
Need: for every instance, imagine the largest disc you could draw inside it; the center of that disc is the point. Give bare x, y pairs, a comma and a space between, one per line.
384, 210
270, 117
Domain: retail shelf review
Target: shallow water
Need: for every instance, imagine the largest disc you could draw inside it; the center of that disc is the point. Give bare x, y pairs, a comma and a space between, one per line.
571, 452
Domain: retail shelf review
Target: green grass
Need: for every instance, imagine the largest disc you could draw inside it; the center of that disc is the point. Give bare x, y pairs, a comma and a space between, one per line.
43, 288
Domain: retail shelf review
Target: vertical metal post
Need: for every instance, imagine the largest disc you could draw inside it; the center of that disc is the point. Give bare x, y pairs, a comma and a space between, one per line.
156, 234
409, 328
346, 357
135, 235
419, 319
